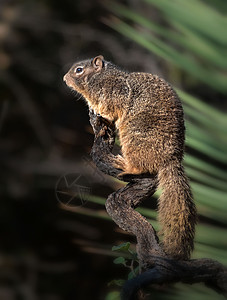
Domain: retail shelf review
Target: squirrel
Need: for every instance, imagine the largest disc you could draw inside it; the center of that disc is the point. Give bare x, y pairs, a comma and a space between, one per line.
149, 118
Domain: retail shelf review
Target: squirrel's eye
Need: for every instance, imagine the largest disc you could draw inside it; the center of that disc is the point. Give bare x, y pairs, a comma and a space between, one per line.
78, 70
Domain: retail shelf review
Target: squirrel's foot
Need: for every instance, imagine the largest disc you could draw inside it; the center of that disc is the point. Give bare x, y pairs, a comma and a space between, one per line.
118, 162
131, 171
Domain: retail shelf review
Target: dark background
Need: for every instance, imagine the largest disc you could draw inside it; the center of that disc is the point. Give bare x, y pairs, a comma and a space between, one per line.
49, 252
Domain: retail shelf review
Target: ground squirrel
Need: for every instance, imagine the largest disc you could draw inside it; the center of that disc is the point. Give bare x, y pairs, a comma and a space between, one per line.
149, 119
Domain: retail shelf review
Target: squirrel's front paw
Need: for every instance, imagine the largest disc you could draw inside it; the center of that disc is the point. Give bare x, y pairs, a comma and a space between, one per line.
95, 121
102, 127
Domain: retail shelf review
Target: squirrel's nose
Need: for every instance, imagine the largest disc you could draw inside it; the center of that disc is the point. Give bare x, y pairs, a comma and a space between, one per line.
64, 78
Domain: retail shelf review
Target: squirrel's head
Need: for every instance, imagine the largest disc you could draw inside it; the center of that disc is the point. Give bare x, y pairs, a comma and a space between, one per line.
78, 76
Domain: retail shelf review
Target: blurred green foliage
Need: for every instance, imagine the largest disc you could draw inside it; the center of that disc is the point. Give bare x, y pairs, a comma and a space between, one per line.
194, 39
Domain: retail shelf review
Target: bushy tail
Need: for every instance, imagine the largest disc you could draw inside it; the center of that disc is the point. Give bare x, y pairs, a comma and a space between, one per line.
177, 212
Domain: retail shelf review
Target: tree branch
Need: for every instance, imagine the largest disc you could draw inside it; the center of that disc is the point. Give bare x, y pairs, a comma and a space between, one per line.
211, 272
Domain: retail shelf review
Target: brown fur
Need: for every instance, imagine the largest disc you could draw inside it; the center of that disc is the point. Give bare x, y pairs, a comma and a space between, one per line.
149, 118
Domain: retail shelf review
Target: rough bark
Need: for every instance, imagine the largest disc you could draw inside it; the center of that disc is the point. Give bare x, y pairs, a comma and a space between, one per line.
120, 205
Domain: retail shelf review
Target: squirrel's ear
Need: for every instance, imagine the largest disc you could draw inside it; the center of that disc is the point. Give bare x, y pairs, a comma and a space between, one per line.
98, 62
